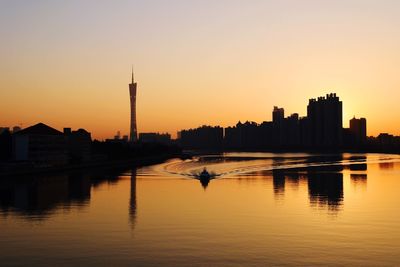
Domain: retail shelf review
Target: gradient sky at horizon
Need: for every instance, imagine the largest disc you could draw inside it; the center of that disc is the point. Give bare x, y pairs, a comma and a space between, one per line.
68, 63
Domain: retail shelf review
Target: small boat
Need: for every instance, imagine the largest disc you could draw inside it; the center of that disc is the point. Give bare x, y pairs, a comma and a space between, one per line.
205, 175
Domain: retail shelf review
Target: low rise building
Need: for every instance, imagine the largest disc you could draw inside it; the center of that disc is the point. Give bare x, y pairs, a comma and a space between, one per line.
161, 138
41, 145
79, 145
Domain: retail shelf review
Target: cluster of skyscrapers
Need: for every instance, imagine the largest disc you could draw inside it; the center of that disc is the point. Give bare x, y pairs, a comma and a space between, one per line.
322, 128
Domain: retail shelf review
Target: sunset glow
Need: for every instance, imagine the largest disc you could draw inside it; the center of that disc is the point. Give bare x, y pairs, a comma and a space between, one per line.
68, 64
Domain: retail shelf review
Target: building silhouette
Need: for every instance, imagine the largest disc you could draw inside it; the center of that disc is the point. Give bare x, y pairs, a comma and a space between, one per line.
321, 129
41, 145
79, 145
204, 137
5, 144
325, 119
278, 114
161, 138
246, 135
291, 131
358, 129
132, 93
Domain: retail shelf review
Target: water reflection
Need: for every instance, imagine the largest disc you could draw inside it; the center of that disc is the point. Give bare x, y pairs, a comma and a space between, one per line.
278, 181
132, 200
204, 182
386, 165
358, 167
359, 179
240, 215
38, 197
293, 178
322, 174
326, 189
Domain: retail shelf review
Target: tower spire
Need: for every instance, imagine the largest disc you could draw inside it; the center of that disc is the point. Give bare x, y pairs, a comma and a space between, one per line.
133, 80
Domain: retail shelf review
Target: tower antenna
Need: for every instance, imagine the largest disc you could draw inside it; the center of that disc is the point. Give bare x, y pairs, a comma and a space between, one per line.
133, 80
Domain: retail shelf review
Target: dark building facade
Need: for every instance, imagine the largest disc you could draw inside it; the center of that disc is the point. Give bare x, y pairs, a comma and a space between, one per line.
325, 119
278, 114
79, 145
161, 138
40, 144
358, 129
278, 117
321, 129
248, 135
204, 137
45, 146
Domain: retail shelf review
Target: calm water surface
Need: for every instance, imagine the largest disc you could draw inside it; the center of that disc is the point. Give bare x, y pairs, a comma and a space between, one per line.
262, 209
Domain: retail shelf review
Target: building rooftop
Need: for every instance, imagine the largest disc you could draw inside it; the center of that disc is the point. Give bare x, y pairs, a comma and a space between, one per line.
39, 129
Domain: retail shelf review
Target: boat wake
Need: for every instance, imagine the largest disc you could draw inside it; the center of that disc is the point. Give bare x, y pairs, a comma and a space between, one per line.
233, 164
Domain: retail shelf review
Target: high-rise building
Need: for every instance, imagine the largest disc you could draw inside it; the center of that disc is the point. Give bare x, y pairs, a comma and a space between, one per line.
278, 114
132, 92
204, 137
325, 117
278, 117
358, 128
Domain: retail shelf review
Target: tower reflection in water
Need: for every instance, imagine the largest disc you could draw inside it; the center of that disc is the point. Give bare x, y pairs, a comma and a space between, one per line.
132, 200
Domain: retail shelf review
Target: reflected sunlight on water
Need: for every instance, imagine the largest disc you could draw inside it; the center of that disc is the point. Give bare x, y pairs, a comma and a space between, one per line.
262, 209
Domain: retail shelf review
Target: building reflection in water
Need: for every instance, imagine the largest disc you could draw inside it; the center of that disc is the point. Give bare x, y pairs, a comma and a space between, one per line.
278, 181
359, 164
386, 165
359, 179
323, 176
79, 188
132, 200
325, 189
293, 179
38, 197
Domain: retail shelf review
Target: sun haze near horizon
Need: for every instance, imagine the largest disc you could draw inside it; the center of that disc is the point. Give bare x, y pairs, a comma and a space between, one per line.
68, 64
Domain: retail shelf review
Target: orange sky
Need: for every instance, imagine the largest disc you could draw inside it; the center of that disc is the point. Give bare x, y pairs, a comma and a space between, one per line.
68, 64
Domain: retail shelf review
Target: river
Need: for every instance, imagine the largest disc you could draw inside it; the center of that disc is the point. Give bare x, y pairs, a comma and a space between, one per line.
261, 209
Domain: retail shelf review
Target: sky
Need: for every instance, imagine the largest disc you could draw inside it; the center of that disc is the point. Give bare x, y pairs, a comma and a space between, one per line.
68, 63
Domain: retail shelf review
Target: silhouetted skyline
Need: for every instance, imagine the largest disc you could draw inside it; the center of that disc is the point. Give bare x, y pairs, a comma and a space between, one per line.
322, 128
209, 62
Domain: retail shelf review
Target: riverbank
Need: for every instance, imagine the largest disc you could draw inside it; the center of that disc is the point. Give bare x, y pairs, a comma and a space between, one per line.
23, 170
196, 152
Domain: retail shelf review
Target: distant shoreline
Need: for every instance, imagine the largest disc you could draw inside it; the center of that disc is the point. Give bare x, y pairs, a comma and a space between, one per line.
151, 160
137, 162
314, 151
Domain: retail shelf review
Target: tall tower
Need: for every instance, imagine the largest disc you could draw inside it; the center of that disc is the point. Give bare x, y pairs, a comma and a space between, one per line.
132, 92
